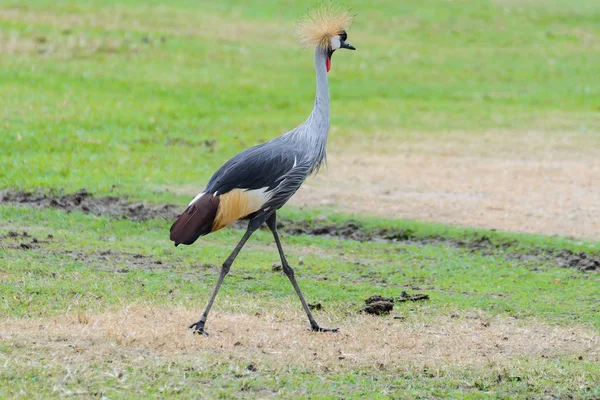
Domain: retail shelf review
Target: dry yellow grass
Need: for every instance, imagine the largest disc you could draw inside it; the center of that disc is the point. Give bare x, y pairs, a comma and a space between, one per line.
278, 339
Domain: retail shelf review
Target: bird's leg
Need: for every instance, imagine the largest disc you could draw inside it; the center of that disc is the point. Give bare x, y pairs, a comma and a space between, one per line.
198, 327
272, 224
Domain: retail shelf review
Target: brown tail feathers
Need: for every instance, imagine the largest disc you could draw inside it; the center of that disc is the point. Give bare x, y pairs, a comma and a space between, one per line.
197, 220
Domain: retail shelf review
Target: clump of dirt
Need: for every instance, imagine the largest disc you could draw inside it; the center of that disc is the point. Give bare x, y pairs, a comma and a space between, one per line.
27, 242
348, 230
378, 305
251, 367
84, 201
482, 244
356, 231
581, 261
276, 267
14, 234
564, 258
412, 297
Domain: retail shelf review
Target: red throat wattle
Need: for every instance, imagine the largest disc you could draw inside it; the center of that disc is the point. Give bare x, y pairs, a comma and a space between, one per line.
328, 64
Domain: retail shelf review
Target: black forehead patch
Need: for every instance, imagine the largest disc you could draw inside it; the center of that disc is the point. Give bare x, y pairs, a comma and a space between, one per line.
343, 35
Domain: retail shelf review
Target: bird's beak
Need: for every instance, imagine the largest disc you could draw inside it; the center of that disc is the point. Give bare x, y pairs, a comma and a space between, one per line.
346, 45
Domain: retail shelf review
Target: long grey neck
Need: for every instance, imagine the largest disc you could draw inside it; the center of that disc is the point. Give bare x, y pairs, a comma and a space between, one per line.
311, 136
322, 101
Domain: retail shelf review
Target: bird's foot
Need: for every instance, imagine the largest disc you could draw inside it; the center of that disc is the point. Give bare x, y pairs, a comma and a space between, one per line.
198, 328
317, 328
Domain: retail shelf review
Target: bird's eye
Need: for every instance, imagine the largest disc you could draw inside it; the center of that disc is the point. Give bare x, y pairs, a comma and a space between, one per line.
343, 35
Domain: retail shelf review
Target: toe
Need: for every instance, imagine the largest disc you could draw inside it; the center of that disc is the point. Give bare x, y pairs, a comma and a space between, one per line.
198, 329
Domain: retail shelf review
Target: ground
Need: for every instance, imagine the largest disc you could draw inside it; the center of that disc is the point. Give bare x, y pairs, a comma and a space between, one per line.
453, 237
465, 182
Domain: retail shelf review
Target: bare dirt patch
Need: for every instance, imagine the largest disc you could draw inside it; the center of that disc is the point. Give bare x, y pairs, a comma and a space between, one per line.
84, 201
515, 181
483, 244
276, 338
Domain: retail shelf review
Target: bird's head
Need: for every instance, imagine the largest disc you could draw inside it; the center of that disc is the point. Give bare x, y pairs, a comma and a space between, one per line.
325, 27
338, 42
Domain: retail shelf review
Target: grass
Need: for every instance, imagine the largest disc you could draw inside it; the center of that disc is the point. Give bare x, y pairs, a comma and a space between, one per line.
137, 98
130, 80
463, 280
117, 301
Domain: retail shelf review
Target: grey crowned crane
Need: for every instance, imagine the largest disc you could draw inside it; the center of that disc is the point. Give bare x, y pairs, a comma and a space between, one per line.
254, 184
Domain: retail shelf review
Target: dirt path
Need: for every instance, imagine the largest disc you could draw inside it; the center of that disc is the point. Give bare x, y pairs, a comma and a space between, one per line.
528, 182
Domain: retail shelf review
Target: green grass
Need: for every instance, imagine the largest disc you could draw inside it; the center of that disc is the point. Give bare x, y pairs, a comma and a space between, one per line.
83, 114
139, 98
459, 278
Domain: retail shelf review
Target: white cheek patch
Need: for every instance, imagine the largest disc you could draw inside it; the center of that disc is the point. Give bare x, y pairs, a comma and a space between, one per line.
335, 43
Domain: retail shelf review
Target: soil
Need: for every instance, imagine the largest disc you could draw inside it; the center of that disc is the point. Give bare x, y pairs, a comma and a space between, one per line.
580, 260
120, 208
27, 242
535, 182
84, 201
483, 244
379, 305
411, 297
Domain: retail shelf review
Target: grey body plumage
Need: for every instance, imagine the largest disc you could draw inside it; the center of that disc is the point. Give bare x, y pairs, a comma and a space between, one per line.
282, 164
255, 183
